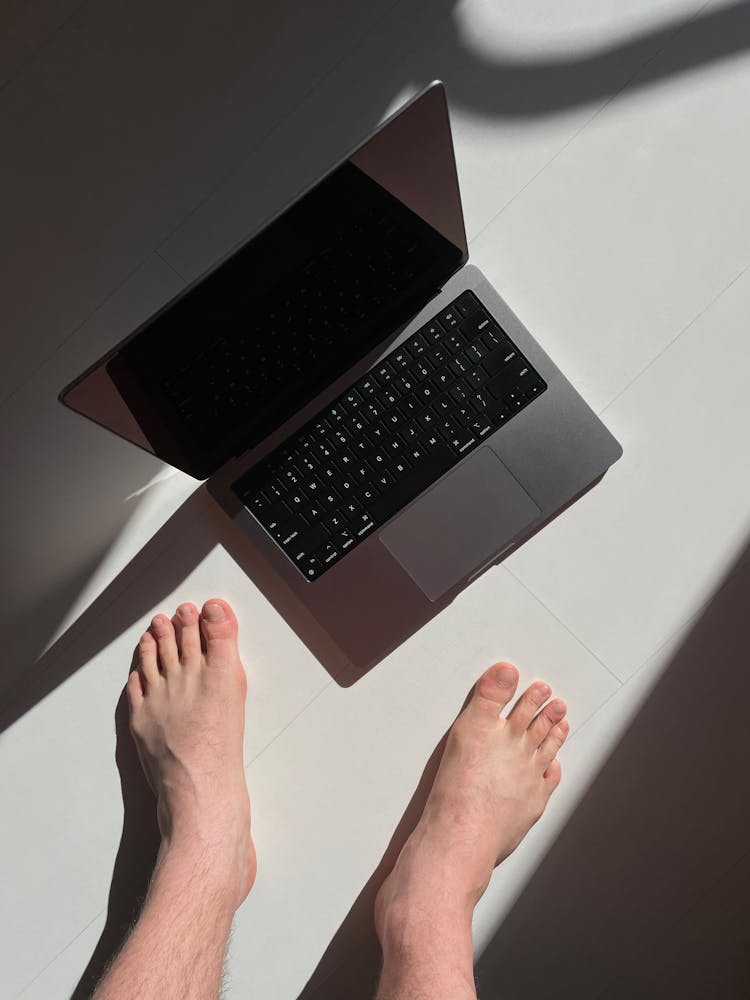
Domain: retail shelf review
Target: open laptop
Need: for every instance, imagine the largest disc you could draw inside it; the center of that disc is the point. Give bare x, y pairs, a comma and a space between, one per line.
364, 405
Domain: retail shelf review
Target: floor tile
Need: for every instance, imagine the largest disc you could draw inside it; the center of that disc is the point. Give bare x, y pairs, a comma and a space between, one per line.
640, 553
704, 954
636, 226
61, 976
329, 792
651, 819
26, 28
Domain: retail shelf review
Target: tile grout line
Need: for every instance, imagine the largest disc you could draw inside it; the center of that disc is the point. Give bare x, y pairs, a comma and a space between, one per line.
674, 339
596, 113
42, 45
288, 724
61, 952
570, 632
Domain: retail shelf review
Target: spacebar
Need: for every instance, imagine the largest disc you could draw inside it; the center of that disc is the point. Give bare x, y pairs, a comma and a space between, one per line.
432, 466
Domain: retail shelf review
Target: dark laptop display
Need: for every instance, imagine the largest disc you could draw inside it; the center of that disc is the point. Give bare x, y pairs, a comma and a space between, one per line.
337, 273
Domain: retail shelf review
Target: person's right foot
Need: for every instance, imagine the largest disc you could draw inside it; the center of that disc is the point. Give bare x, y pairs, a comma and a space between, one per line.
187, 715
493, 784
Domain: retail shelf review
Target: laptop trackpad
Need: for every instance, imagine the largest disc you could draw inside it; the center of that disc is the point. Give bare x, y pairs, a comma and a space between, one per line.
470, 516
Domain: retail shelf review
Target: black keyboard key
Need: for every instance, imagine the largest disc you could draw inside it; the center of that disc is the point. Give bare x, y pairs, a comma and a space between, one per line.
387, 397
310, 566
421, 371
462, 441
442, 379
427, 419
476, 351
433, 332
410, 432
466, 303
481, 426
437, 356
308, 541
453, 342
417, 346
493, 336
477, 377
427, 393
362, 524
476, 324
321, 429
449, 318
498, 359
460, 391
356, 423
461, 365
343, 540
328, 554
309, 462
401, 360
334, 522
422, 474
508, 378
352, 400
275, 490
274, 515
410, 407
367, 386
287, 533
384, 374
256, 504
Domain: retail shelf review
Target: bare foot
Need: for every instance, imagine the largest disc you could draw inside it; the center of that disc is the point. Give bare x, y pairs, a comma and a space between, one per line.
187, 715
493, 784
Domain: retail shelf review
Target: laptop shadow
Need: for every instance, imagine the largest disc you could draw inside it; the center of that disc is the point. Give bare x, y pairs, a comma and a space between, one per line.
623, 887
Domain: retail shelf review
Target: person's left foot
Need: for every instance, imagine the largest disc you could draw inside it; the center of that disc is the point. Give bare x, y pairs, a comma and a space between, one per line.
187, 714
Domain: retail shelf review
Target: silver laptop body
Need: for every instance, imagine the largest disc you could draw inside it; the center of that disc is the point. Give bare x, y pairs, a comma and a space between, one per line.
404, 571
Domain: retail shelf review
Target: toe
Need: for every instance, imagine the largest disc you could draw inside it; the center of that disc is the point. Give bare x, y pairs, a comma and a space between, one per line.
555, 739
219, 629
541, 724
494, 689
552, 776
188, 634
134, 690
527, 706
148, 666
163, 631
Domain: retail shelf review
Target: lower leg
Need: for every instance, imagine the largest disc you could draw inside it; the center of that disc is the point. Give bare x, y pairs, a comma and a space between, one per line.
494, 780
187, 702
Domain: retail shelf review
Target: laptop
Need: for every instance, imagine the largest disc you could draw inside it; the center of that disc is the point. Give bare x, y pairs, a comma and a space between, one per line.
376, 421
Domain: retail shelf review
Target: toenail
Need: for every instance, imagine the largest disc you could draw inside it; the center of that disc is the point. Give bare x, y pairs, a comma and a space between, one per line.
505, 676
213, 612
158, 621
185, 611
544, 691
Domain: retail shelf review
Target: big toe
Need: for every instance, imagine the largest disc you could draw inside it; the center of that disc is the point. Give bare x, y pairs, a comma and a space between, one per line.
219, 629
494, 689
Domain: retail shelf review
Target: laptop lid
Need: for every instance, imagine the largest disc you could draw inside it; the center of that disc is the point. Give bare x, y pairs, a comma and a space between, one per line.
253, 340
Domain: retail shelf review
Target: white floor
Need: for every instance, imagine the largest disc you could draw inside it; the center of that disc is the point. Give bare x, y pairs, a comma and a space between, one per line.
604, 151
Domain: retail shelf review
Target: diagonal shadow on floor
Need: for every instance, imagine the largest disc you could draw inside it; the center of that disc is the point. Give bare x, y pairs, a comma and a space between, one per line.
666, 817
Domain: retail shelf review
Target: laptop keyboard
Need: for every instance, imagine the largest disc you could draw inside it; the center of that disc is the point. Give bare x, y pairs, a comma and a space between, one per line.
396, 431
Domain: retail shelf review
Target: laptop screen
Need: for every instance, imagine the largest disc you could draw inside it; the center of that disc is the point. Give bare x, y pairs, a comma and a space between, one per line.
338, 272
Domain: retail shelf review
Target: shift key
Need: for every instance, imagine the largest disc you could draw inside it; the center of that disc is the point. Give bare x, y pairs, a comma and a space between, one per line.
307, 542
